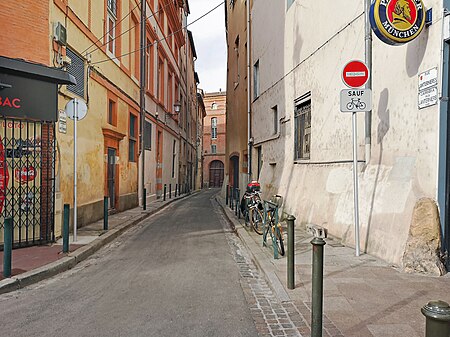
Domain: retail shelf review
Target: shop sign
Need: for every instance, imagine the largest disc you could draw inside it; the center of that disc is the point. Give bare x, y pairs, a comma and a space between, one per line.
397, 22
25, 174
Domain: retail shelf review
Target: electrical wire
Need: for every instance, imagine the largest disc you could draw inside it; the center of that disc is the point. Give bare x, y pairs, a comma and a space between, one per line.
114, 27
164, 38
126, 31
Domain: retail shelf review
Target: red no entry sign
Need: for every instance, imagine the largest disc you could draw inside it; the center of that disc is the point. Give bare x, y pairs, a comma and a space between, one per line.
355, 74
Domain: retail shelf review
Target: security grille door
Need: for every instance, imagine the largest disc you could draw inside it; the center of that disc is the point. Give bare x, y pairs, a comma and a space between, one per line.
112, 177
27, 180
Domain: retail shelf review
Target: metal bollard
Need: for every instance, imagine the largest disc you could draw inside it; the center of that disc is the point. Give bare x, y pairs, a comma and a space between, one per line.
144, 200
291, 253
317, 287
7, 246
165, 188
170, 191
105, 213
176, 186
232, 198
66, 228
437, 315
237, 213
226, 195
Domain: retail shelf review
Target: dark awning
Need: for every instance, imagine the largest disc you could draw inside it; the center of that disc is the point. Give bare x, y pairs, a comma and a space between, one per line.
35, 71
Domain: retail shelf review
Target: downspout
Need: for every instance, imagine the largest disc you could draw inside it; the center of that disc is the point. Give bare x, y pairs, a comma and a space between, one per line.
368, 61
142, 100
249, 98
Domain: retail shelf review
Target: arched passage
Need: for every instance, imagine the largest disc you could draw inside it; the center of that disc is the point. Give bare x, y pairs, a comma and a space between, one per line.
216, 171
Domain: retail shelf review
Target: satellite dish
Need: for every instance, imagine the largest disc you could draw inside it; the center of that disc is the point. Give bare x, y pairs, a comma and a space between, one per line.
76, 107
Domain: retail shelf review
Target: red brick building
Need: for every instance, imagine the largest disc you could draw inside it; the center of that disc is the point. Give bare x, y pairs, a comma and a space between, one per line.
214, 139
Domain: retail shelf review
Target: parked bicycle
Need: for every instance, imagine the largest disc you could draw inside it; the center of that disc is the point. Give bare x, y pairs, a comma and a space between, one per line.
252, 207
272, 226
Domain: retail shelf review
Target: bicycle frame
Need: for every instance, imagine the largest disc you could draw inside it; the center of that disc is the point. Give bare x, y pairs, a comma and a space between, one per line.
269, 209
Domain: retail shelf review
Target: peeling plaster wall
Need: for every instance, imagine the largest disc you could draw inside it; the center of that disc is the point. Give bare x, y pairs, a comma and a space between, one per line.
403, 165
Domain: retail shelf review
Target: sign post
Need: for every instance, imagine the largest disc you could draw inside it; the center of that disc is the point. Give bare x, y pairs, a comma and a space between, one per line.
76, 110
355, 74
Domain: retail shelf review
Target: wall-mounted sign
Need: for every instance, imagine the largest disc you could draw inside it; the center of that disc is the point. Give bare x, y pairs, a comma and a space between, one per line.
356, 100
25, 174
62, 121
428, 97
428, 79
397, 21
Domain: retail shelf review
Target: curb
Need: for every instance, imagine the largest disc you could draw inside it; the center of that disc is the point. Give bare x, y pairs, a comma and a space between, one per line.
258, 255
72, 259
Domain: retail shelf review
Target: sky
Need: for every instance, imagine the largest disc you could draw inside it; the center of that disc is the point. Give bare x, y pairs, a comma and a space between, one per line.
210, 44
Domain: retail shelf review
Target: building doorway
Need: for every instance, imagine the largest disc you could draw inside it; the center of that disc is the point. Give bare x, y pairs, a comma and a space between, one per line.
216, 173
234, 171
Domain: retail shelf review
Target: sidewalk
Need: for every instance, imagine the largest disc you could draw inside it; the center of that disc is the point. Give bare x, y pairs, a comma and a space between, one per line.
363, 296
33, 264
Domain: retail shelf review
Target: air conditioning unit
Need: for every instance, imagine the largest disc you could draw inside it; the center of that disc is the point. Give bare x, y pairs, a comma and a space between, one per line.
60, 34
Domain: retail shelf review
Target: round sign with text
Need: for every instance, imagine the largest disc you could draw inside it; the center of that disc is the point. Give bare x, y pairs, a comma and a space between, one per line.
397, 21
355, 74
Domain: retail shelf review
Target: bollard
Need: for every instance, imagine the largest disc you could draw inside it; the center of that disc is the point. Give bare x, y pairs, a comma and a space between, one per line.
226, 196
176, 186
165, 187
437, 322
236, 211
7, 246
317, 287
144, 200
231, 198
170, 191
66, 228
105, 213
291, 252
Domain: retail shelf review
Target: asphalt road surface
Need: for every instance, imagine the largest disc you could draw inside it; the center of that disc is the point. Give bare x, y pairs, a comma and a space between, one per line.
172, 275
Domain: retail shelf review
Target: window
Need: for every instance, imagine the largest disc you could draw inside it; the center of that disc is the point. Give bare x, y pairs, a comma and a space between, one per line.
170, 92
214, 128
275, 119
148, 136
213, 148
259, 153
256, 80
214, 106
149, 66
132, 138
76, 68
174, 153
111, 18
302, 124
161, 16
112, 112
161, 80
289, 3
134, 45
236, 49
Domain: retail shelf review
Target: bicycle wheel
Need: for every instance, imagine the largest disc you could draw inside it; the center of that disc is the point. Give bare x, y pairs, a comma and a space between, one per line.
280, 243
257, 221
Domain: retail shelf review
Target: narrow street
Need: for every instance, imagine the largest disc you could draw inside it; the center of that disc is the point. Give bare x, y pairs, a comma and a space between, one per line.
172, 275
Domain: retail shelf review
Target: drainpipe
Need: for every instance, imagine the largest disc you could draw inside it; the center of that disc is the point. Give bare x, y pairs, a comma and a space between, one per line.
368, 61
249, 97
142, 100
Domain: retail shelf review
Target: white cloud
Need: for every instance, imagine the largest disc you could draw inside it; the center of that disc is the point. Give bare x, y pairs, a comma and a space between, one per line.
210, 44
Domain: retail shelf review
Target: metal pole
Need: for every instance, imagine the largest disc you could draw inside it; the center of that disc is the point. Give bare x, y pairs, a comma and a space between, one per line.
176, 186
236, 209
226, 196
7, 246
75, 223
437, 315
368, 61
145, 200
249, 95
105, 213
170, 191
142, 95
291, 252
66, 228
317, 287
355, 182
165, 188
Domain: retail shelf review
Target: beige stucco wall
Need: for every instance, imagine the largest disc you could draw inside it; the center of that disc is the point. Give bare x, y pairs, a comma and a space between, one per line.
403, 164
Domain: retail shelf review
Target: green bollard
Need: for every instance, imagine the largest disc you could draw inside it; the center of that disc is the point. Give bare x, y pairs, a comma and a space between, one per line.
144, 200
165, 189
437, 315
317, 287
66, 228
105, 213
7, 246
291, 252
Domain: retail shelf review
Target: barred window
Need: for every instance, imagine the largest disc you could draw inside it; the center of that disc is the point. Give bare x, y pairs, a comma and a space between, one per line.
112, 7
213, 149
148, 136
76, 68
302, 126
132, 138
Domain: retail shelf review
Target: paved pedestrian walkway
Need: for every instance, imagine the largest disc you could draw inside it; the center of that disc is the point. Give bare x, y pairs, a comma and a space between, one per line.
33, 264
363, 296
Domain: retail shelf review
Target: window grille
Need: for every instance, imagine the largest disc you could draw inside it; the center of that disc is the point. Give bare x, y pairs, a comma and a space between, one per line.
213, 149
76, 68
302, 125
148, 136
